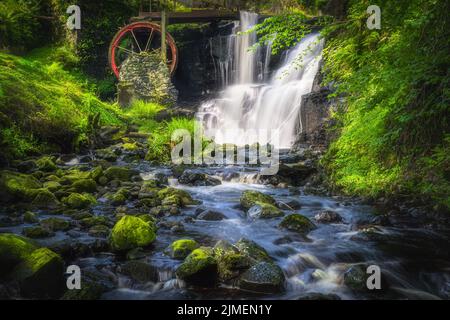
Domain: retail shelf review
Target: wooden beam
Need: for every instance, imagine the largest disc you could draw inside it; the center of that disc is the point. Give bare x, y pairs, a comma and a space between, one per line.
188, 17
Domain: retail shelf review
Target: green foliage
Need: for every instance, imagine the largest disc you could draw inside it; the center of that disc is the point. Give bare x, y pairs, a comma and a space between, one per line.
20, 27
282, 31
100, 21
45, 108
160, 142
393, 128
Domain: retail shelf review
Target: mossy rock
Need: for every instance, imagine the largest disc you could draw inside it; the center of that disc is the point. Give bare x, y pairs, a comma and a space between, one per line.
13, 250
95, 221
37, 232
99, 231
264, 211
252, 250
17, 186
45, 199
40, 274
263, 277
96, 173
120, 197
107, 154
140, 271
180, 249
46, 164
52, 186
30, 217
230, 261
85, 185
79, 201
250, 198
74, 175
297, 223
199, 267
55, 224
181, 197
90, 290
131, 232
119, 173
130, 147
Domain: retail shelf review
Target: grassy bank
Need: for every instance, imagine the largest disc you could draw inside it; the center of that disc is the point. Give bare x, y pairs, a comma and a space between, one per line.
393, 129
44, 107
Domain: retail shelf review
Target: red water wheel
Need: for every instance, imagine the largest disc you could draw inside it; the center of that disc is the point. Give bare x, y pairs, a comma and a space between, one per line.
139, 37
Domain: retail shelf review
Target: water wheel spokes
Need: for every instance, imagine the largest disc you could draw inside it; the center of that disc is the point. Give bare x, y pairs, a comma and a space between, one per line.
140, 37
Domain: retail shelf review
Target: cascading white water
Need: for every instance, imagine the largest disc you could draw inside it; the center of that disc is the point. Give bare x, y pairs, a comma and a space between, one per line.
246, 109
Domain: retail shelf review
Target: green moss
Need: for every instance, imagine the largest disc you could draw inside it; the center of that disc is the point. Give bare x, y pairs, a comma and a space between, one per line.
41, 274
44, 198
13, 249
52, 186
130, 146
36, 232
131, 232
252, 250
85, 185
297, 223
94, 221
55, 224
46, 164
30, 217
196, 264
17, 186
51, 108
180, 249
175, 196
250, 198
79, 201
119, 173
265, 211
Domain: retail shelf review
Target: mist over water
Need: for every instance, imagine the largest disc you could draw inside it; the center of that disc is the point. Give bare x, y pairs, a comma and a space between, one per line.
254, 105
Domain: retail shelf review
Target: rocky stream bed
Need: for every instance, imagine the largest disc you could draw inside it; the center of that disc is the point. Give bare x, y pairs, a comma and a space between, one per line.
144, 231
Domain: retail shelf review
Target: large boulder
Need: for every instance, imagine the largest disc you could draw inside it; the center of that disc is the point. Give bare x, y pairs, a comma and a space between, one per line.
40, 275
250, 198
17, 186
132, 232
199, 267
264, 277
13, 249
297, 223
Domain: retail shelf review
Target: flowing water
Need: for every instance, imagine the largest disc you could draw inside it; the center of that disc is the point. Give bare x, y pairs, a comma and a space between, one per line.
256, 108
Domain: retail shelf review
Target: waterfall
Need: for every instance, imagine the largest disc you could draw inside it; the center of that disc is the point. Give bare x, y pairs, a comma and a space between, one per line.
254, 104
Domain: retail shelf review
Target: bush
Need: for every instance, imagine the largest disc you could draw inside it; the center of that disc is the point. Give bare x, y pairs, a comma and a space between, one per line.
44, 108
393, 129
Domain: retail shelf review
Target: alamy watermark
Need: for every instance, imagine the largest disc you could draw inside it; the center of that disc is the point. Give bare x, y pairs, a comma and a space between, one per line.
374, 20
